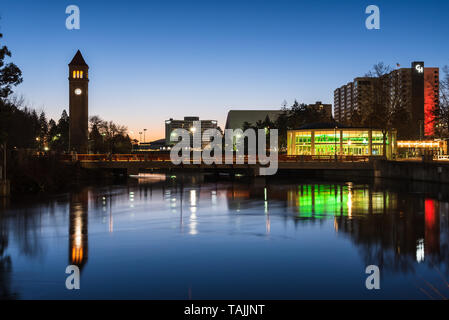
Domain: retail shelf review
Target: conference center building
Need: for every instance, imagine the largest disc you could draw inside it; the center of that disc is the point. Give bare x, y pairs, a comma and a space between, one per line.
331, 140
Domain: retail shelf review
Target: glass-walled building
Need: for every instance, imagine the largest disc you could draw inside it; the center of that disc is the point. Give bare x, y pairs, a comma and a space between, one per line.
418, 148
339, 141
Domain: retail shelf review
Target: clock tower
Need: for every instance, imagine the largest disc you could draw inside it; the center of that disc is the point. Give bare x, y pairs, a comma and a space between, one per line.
78, 103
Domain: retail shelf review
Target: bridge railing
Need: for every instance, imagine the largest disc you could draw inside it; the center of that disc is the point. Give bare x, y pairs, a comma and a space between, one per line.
116, 157
246, 159
137, 157
324, 158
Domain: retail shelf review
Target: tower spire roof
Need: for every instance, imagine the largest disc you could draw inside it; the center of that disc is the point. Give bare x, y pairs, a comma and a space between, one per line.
78, 60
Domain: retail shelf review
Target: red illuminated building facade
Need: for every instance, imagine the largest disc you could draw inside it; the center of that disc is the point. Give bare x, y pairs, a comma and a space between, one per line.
425, 99
431, 99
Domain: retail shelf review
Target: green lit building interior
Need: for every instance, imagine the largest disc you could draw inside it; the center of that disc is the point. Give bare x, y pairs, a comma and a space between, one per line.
341, 142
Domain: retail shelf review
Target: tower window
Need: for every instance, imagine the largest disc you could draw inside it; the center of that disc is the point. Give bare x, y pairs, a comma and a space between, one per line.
77, 74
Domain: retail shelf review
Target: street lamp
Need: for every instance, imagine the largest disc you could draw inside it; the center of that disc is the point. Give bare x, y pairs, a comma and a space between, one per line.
335, 143
3, 176
140, 136
144, 130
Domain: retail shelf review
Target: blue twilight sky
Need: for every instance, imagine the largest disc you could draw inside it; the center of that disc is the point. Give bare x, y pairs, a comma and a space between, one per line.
152, 60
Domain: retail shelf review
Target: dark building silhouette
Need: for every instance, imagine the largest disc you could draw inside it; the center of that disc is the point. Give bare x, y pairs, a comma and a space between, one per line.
78, 95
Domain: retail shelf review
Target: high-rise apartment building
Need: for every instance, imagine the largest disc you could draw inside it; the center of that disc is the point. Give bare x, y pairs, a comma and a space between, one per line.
415, 89
352, 97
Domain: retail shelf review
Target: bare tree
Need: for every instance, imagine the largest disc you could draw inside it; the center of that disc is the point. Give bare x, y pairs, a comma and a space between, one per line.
95, 121
442, 113
384, 104
17, 100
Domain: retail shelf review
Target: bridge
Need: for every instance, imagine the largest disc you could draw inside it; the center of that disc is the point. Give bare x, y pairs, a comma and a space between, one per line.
132, 164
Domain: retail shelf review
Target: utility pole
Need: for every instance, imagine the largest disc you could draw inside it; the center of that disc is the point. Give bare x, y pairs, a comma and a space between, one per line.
5, 189
335, 143
4, 161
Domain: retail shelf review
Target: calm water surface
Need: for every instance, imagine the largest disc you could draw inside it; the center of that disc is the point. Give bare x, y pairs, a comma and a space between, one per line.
179, 237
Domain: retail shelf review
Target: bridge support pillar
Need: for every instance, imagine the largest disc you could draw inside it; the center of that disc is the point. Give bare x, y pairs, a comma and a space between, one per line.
260, 181
5, 189
132, 171
254, 171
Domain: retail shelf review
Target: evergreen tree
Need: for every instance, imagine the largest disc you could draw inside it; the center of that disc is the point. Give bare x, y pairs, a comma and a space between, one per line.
96, 140
10, 74
42, 131
59, 133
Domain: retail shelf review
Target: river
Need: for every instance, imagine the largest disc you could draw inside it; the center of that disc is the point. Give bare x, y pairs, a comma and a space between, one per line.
163, 236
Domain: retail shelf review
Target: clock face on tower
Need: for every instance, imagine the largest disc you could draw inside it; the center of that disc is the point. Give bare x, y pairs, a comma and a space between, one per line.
78, 91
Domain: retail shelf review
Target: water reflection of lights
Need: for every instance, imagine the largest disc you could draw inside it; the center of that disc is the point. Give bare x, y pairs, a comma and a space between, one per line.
213, 198
131, 199
268, 224
173, 203
350, 200
320, 201
193, 198
111, 222
151, 177
78, 229
420, 250
193, 222
265, 200
349, 204
193, 209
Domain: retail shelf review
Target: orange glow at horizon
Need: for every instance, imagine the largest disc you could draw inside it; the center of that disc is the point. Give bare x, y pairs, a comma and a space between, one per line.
151, 134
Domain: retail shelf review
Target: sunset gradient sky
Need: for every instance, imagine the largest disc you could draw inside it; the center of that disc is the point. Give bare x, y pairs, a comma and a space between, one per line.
153, 60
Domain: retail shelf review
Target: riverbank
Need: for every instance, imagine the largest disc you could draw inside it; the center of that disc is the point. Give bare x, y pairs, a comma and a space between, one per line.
47, 174
437, 172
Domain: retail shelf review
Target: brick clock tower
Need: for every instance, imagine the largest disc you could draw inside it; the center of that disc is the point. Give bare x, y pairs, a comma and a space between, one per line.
78, 103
